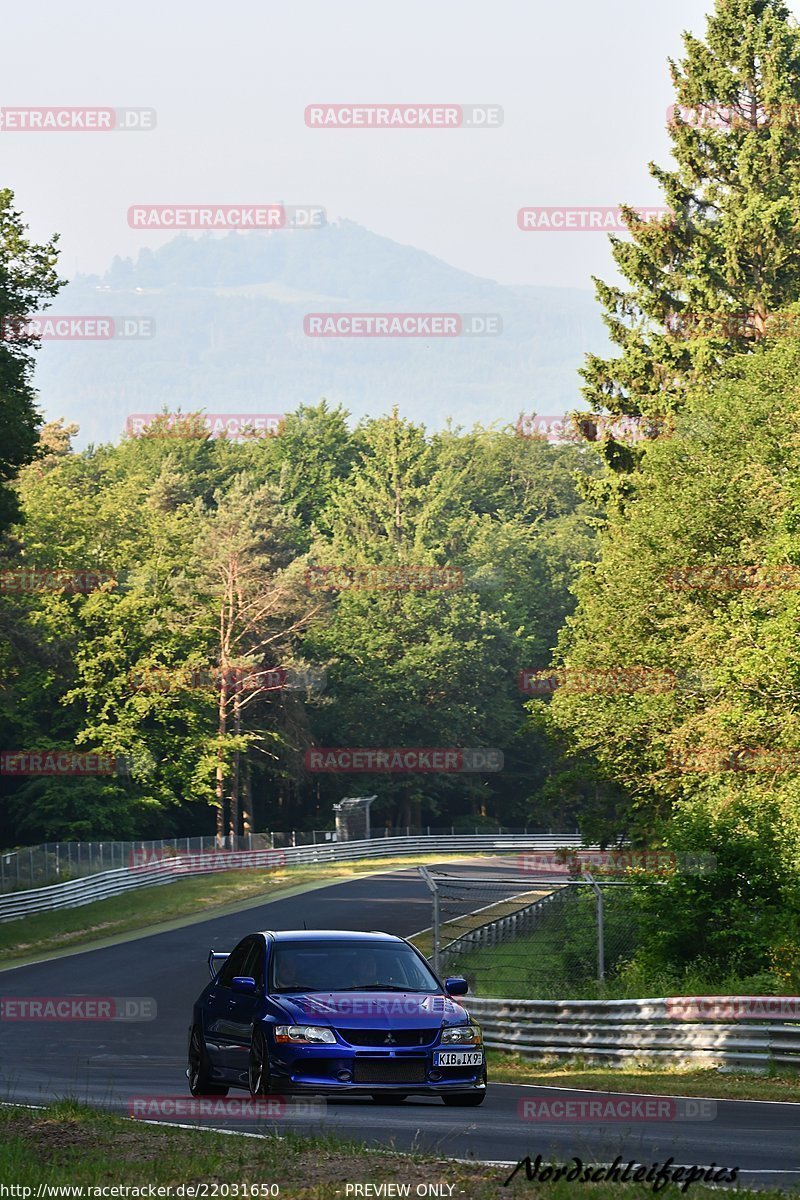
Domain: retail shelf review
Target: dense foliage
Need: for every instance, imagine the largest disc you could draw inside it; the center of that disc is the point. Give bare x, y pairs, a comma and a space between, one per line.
207, 546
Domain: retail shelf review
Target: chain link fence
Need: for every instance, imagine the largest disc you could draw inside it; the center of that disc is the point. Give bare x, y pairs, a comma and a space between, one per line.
28, 867
530, 939
59, 862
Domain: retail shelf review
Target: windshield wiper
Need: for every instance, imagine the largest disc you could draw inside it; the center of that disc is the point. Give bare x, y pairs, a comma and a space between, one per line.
384, 987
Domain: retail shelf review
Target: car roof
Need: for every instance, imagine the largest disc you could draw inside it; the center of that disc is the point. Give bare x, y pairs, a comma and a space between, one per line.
328, 935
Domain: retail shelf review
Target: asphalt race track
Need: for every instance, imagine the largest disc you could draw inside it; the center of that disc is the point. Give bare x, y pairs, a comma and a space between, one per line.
109, 1063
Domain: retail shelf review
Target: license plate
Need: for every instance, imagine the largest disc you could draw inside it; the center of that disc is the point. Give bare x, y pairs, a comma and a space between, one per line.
458, 1058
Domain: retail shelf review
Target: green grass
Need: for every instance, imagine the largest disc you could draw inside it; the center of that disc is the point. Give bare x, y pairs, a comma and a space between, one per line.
458, 926
558, 961
68, 1144
148, 908
638, 1077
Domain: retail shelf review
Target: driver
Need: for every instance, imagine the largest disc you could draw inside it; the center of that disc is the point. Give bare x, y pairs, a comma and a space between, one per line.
368, 971
286, 975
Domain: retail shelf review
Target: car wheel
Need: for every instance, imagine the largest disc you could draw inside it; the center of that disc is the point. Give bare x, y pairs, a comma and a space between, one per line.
258, 1078
199, 1072
389, 1097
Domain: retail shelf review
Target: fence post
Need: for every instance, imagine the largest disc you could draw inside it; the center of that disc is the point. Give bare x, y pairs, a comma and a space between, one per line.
601, 950
436, 921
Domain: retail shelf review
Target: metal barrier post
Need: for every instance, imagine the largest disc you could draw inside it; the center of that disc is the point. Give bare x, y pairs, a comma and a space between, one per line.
601, 952
436, 920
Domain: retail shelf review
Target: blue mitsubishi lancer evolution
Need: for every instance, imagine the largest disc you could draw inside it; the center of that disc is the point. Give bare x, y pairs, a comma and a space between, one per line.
336, 1014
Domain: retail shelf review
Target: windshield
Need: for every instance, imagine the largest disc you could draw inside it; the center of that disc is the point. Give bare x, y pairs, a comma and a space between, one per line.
347, 967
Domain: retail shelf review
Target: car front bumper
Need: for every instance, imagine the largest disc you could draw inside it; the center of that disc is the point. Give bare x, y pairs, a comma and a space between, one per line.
345, 1070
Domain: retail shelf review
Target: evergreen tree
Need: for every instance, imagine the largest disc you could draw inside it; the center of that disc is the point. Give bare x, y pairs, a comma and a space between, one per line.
703, 281
27, 279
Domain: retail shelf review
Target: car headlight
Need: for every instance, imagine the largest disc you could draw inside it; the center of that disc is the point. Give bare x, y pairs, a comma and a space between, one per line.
314, 1034
461, 1034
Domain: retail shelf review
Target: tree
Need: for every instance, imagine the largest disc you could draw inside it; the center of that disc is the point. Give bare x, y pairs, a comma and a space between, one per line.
313, 451
27, 280
259, 607
703, 282
423, 668
718, 496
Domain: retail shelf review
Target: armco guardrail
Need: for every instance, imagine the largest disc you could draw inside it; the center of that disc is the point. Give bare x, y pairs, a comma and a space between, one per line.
167, 869
25, 867
523, 920
755, 1031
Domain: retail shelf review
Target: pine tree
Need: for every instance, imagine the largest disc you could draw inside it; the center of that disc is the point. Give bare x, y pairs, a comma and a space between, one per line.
704, 281
28, 281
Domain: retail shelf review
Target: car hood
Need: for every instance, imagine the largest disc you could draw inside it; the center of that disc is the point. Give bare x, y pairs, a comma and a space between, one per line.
376, 1010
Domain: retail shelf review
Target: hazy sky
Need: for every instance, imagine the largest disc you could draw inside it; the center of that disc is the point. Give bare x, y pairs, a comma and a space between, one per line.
583, 84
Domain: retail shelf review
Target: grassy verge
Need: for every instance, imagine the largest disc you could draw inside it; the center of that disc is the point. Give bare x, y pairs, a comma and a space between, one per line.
705, 1081
459, 926
148, 908
67, 1144
559, 958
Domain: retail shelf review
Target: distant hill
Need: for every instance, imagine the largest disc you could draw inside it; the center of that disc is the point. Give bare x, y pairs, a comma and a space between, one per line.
229, 334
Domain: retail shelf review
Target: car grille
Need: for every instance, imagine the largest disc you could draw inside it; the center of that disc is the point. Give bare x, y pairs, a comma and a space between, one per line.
377, 1037
389, 1070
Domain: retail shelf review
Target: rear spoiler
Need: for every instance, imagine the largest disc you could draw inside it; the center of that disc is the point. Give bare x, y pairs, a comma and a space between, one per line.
215, 960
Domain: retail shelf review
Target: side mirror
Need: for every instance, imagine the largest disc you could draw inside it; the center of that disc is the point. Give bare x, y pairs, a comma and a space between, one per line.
456, 986
243, 983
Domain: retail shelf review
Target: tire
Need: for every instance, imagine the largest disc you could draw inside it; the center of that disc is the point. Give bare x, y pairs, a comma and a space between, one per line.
389, 1097
258, 1073
199, 1073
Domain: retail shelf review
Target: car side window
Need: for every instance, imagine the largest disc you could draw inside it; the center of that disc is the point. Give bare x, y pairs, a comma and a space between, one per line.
254, 963
235, 963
